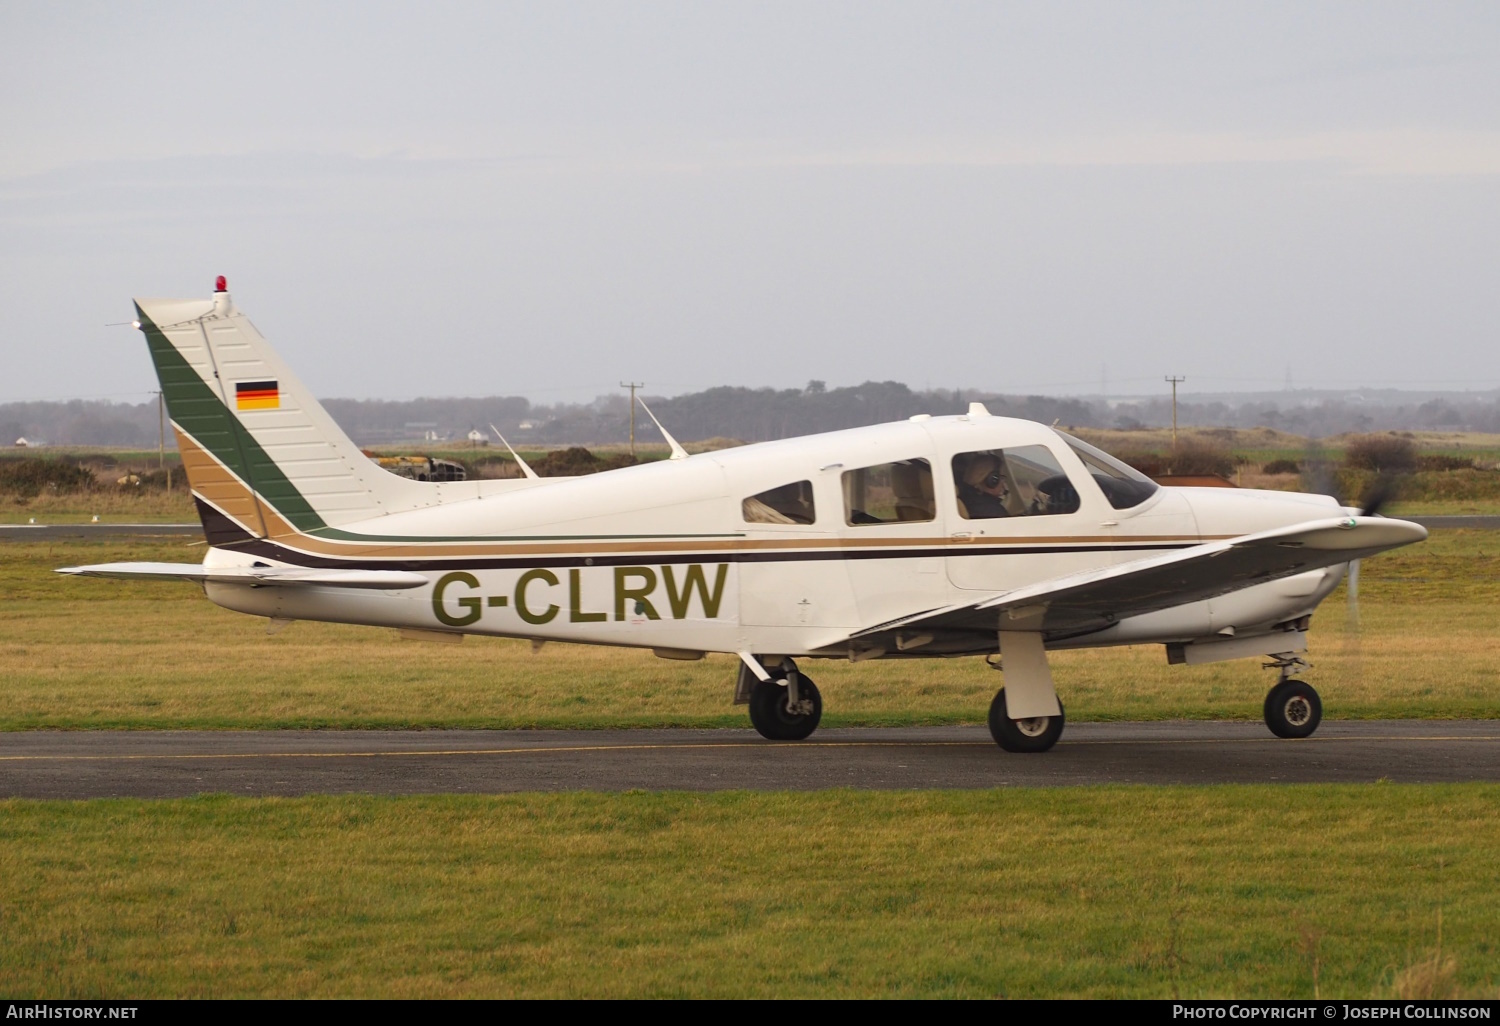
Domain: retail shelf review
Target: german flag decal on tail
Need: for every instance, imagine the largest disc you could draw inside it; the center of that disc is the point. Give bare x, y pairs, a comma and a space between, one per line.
257, 395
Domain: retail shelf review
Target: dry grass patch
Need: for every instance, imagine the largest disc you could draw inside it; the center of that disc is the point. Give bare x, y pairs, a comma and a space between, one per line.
110, 505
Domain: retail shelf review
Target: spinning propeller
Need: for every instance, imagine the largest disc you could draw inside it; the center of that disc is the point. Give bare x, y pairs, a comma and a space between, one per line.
1319, 478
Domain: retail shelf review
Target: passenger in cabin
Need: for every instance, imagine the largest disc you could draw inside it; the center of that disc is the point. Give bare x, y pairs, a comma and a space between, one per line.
982, 488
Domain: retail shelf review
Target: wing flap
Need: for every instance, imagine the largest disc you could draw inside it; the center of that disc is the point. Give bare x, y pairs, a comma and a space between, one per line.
259, 576
1094, 599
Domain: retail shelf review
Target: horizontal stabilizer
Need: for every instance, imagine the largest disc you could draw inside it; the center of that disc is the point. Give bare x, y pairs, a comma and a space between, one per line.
260, 576
1095, 599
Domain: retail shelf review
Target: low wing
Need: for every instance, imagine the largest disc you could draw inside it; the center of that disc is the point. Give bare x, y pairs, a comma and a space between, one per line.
262, 576
1094, 599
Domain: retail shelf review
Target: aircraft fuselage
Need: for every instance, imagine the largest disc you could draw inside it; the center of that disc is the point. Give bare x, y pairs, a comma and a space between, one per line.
663, 556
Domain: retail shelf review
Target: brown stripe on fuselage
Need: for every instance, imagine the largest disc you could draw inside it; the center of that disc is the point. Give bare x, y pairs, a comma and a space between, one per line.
228, 493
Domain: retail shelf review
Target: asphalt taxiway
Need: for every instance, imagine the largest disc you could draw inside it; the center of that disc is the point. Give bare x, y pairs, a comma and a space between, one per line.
160, 764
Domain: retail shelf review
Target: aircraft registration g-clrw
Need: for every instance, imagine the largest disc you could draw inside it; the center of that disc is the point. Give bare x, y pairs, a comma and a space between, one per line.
936, 536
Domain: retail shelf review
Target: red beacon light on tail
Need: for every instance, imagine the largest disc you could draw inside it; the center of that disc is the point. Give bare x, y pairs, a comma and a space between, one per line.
222, 305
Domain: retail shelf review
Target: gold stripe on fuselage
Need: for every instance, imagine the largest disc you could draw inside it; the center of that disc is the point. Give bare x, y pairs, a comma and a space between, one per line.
222, 489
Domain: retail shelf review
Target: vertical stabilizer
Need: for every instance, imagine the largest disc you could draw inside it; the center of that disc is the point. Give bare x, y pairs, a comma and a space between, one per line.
257, 448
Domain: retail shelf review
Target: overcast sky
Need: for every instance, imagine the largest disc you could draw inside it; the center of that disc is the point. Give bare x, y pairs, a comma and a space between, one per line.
546, 199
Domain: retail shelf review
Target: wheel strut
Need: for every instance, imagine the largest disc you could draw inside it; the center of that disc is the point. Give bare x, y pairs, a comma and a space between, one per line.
796, 704
1288, 664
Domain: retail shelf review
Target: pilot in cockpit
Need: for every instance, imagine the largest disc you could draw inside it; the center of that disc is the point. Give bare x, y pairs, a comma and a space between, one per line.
982, 488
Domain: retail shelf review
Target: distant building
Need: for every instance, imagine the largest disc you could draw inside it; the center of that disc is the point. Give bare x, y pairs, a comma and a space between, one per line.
477, 437
21, 443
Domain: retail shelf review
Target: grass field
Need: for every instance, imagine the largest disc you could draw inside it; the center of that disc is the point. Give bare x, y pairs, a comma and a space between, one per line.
86, 653
1444, 508
1378, 890
1367, 891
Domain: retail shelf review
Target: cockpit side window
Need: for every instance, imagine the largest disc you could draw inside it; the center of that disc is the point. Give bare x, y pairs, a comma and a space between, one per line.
789, 504
1026, 481
889, 493
1124, 486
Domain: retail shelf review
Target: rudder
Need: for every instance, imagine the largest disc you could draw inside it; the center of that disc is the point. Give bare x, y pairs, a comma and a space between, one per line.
257, 448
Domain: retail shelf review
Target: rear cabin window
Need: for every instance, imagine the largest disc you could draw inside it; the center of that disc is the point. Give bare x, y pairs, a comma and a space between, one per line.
1124, 486
1022, 482
789, 504
889, 493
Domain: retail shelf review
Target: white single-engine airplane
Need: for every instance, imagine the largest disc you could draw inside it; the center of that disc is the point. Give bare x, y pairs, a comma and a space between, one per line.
936, 536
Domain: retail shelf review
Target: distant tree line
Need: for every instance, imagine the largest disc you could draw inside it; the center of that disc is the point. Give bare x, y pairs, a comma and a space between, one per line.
82, 422
758, 414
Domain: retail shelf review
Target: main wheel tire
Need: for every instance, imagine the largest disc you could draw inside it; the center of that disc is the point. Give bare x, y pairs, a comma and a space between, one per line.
1293, 709
1033, 735
771, 717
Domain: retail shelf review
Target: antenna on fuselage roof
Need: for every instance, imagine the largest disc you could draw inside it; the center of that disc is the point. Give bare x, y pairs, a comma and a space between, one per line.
678, 452
525, 467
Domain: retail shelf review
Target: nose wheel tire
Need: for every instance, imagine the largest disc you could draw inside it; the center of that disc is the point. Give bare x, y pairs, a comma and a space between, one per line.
1293, 709
1033, 735
772, 716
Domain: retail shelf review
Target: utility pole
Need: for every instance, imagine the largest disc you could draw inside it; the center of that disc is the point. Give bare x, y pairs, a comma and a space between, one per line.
632, 385
1174, 380
161, 430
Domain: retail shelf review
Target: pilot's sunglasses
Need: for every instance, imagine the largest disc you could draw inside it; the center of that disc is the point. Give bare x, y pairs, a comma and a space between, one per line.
993, 479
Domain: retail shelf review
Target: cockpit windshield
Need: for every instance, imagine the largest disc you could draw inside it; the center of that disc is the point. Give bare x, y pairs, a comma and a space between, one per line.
1124, 486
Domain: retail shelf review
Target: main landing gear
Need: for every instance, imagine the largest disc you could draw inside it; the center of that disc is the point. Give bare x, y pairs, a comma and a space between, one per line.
1036, 734
1293, 708
788, 706
1025, 715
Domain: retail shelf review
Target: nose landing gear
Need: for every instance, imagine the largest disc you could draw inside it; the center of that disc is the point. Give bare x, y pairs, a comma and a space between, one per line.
1293, 709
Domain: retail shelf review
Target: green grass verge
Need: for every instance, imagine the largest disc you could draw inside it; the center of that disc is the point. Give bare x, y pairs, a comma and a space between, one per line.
1100, 892
87, 653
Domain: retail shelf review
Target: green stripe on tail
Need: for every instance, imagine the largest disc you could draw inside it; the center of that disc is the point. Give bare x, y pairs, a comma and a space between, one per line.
195, 408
